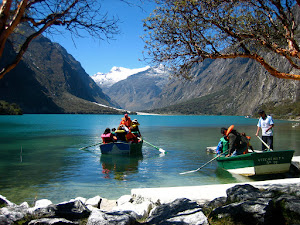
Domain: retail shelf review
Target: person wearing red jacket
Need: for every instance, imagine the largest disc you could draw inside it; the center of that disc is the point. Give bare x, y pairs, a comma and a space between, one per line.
126, 121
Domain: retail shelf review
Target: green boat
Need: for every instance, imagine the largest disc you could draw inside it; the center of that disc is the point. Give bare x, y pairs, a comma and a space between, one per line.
258, 163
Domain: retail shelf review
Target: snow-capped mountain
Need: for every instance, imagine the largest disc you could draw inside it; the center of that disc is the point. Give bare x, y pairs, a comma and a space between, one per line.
116, 74
139, 91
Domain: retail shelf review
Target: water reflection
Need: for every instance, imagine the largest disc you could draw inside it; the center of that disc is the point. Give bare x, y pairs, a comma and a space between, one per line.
118, 167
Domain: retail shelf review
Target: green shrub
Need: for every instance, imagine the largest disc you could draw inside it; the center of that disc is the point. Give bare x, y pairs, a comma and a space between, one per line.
9, 109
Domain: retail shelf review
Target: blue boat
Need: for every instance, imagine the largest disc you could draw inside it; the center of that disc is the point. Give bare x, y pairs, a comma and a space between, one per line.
122, 148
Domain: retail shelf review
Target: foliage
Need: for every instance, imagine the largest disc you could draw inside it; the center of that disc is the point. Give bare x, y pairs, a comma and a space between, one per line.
9, 109
216, 104
184, 32
210, 104
76, 16
283, 110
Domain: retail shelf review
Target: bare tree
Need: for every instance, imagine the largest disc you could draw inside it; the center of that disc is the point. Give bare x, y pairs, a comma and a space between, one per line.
181, 33
74, 15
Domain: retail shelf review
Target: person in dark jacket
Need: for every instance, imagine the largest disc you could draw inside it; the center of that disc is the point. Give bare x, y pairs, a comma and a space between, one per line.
238, 144
121, 132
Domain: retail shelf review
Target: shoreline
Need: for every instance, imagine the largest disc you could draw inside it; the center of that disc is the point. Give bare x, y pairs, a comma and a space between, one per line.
203, 205
200, 194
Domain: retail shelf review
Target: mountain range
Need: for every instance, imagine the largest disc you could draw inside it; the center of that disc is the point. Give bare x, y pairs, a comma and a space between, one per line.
219, 87
49, 80
116, 74
229, 87
136, 91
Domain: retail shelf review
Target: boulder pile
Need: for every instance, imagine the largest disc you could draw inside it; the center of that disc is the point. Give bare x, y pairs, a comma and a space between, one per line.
244, 204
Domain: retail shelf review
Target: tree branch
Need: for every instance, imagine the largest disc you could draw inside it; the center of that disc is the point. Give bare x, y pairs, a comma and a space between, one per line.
23, 49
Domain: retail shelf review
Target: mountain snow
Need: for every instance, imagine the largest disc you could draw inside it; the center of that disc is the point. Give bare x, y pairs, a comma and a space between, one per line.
115, 75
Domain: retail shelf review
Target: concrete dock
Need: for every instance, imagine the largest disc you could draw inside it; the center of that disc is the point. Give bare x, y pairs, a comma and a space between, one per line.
200, 194
205, 192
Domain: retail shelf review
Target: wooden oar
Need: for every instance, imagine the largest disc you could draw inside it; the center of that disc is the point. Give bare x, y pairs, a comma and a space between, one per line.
159, 149
192, 171
264, 143
90, 146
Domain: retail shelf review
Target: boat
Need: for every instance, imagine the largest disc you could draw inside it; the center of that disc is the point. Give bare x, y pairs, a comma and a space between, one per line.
122, 148
258, 163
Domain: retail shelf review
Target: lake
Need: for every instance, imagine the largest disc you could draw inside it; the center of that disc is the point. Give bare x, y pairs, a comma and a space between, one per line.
40, 155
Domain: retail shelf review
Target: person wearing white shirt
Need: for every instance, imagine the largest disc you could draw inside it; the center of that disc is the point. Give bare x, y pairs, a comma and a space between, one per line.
266, 124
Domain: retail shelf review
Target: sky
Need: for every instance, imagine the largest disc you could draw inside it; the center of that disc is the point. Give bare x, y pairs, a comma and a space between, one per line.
125, 51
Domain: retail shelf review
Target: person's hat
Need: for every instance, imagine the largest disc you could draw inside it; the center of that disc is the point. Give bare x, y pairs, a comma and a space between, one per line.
126, 115
261, 111
135, 121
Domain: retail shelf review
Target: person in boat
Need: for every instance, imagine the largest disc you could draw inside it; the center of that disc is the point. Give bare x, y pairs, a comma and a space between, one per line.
223, 145
107, 136
265, 124
126, 121
113, 131
238, 144
134, 128
130, 137
249, 144
121, 132
125, 135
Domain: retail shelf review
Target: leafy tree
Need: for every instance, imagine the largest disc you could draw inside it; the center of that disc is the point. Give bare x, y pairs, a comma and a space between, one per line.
76, 16
181, 33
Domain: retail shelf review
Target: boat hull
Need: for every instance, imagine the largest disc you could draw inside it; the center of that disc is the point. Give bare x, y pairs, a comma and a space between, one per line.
121, 148
258, 163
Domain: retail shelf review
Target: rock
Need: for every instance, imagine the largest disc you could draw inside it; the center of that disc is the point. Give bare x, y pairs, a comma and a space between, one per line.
12, 214
53, 221
124, 199
277, 204
107, 205
42, 203
99, 217
5, 202
83, 200
42, 207
142, 210
24, 205
247, 212
291, 189
244, 204
289, 207
242, 192
47, 211
217, 202
72, 210
180, 211
95, 201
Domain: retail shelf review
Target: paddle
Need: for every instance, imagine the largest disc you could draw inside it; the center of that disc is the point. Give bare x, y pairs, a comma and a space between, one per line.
159, 149
90, 146
192, 171
264, 143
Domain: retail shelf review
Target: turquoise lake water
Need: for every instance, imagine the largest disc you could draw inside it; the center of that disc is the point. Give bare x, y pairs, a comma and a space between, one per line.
40, 156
